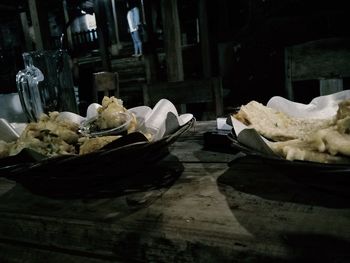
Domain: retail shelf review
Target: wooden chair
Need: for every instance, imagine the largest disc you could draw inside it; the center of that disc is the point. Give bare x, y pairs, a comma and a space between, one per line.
187, 92
105, 84
325, 60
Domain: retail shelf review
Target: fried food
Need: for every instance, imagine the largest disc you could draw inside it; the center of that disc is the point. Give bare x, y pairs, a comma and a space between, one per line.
49, 136
108, 113
4, 149
93, 144
52, 135
316, 140
108, 117
303, 151
276, 125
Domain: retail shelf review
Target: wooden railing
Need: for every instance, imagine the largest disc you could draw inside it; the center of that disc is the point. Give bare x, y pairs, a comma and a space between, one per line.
86, 40
83, 41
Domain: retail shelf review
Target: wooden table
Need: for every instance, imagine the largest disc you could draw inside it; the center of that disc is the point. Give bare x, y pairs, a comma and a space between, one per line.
212, 213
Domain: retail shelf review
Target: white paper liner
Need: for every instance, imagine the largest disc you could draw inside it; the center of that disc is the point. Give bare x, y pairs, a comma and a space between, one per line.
322, 107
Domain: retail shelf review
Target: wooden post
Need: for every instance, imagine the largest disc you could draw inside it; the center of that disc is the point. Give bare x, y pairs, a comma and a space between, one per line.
67, 26
150, 54
143, 12
27, 39
116, 26
204, 39
288, 74
172, 40
40, 24
102, 34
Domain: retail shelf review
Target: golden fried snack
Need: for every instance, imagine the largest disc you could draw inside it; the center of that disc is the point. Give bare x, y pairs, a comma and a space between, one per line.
93, 144
324, 141
133, 124
108, 114
343, 110
303, 151
4, 149
49, 136
108, 117
53, 135
277, 125
336, 138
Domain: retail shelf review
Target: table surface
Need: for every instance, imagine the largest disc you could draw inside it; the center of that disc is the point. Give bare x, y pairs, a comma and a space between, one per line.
214, 212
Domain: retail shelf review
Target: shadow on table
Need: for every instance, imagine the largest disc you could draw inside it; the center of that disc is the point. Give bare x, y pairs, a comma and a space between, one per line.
287, 184
291, 212
141, 178
317, 248
110, 201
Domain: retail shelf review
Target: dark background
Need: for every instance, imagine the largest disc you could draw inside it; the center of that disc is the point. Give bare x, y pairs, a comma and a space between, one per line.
247, 39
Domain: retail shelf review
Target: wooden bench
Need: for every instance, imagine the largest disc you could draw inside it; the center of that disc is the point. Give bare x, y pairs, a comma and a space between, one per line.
186, 92
326, 60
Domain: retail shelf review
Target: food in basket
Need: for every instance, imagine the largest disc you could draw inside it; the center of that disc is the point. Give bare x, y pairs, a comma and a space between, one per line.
89, 145
53, 135
277, 125
317, 140
107, 115
111, 119
4, 149
49, 136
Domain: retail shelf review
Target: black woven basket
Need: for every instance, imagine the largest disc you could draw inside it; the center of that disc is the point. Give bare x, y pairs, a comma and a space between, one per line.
127, 163
332, 178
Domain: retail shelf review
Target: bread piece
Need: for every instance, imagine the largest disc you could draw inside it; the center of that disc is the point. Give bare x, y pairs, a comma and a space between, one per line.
276, 125
316, 140
93, 144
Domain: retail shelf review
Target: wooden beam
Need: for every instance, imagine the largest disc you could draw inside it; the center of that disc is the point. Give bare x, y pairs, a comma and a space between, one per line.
172, 40
288, 74
102, 34
68, 32
117, 46
40, 23
27, 39
150, 57
204, 38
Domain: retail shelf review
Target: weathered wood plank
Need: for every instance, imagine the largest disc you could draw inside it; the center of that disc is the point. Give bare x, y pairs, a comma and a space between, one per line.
38, 14
204, 38
198, 154
99, 8
28, 42
320, 59
19, 253
172, 40
225, 221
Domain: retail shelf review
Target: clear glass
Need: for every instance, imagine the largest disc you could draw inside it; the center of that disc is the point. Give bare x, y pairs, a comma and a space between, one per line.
46, 83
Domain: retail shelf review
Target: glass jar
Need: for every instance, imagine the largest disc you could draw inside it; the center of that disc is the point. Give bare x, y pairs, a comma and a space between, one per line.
46, 83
